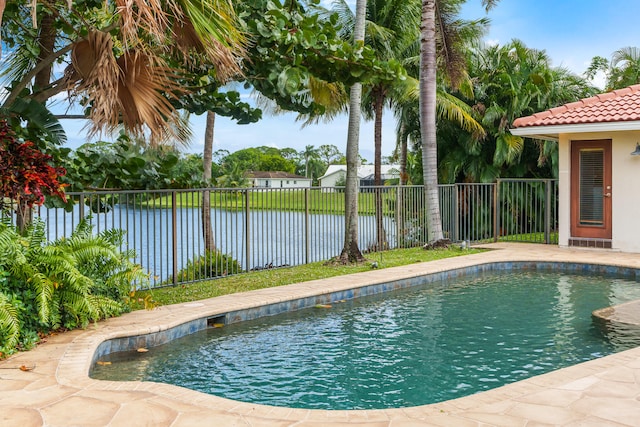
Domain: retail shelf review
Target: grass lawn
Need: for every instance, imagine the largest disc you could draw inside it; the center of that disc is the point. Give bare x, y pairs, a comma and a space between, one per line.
284, 276
292, 200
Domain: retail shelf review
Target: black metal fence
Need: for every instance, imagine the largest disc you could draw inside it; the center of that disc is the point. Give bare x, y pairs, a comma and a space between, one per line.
258, 228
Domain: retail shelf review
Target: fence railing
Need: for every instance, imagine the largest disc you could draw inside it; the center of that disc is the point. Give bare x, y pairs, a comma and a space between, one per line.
258, 228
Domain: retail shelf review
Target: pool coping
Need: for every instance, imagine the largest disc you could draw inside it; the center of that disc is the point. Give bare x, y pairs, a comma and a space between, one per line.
605, 389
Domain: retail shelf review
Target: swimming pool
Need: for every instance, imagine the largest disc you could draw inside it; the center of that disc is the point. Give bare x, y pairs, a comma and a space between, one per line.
443, 340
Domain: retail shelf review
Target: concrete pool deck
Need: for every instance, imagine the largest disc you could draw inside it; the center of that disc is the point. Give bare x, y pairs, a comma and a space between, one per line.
59, 392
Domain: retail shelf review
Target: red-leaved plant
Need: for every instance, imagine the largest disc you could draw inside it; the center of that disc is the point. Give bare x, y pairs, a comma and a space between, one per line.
26, 175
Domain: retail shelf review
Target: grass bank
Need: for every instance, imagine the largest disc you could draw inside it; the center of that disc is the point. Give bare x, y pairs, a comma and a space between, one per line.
314, 200
284, 276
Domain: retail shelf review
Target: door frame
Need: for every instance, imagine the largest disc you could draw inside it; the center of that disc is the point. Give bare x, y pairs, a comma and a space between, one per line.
578, 230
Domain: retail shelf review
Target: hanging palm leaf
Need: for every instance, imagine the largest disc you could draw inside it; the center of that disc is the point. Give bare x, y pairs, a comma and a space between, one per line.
141, 99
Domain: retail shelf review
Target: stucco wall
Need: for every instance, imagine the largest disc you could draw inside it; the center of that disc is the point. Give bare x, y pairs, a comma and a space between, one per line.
281, 183
330, 180
625, 198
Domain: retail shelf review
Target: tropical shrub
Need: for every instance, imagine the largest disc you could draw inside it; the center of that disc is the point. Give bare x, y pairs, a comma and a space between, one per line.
26, 175
211, 264
66, 283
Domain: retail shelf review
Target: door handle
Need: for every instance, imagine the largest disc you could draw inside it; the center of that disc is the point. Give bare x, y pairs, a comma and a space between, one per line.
607, 195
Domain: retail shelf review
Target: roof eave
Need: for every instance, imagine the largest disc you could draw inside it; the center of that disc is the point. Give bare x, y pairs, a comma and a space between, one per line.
552, 133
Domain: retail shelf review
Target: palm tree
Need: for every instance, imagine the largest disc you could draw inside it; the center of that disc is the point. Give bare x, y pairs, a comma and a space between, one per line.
392, 27
625, 68
207, 160
309, 153
234, 178
436, 14
351, 251
125, 67
510, 81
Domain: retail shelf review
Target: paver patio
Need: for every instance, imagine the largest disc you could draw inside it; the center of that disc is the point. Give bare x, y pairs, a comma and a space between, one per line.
58, 391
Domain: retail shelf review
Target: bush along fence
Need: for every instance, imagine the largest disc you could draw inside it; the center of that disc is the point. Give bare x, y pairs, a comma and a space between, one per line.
187, 235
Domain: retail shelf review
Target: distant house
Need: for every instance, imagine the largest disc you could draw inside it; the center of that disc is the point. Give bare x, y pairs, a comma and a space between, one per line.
277, 180
337, 173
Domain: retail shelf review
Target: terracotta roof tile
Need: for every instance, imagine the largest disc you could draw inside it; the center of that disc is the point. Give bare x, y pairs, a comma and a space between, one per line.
617, 106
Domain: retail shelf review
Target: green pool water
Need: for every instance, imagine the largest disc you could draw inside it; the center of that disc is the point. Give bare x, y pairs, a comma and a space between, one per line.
407, 348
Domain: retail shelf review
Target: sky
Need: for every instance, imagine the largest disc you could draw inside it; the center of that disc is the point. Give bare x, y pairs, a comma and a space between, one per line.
572, 32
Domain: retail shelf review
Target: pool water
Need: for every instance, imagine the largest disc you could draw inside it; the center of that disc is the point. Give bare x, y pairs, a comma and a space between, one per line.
407, 348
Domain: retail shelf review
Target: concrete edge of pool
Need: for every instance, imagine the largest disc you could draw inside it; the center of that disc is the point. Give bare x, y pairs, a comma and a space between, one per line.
59, 391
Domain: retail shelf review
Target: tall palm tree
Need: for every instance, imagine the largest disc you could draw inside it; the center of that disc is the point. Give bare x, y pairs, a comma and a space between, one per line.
309, 153
436, 14
350, 250
392, 28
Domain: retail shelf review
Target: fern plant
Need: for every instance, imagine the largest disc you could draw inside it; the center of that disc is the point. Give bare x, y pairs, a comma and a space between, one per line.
66, 283
9, 323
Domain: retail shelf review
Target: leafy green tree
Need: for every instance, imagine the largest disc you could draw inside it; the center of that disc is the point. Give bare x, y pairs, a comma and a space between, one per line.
275, 163
121, 165
329, 153
257, 159
293, 45
188, 173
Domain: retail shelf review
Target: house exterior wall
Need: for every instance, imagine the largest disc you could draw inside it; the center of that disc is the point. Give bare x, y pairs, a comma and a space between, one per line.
624, 196
281, 183
330, 180
338, 172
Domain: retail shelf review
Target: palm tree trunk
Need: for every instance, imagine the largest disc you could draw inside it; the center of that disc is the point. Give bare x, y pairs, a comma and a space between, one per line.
207, 158
428, 120
351, 251
403, 141
46, 41
400, 198
378, 107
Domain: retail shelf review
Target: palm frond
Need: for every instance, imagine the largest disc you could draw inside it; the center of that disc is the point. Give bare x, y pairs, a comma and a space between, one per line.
218, 35
346, 18
140, 97
453, 109
94, 71
508, 148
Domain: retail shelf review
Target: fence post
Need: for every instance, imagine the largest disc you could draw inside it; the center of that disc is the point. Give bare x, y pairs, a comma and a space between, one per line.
456, 214
247, 223
496, 206
307, 231
174, 235
547, 212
